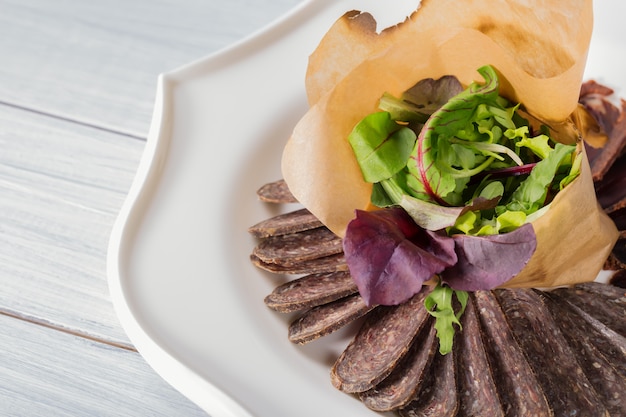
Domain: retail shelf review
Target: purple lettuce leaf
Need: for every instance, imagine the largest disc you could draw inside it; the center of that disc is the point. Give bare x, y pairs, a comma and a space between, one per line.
390, 257
486, 262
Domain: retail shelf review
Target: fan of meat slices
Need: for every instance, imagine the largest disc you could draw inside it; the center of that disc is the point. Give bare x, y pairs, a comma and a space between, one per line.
542, 338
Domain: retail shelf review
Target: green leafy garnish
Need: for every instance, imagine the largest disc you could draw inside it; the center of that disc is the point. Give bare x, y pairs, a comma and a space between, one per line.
382, 146
439, 304
475, 143
463, 163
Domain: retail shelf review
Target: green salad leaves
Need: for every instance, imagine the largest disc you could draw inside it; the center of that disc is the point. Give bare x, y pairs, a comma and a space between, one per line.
462, 162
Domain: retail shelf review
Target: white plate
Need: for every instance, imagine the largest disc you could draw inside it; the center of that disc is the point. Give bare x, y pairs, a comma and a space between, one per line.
178, 259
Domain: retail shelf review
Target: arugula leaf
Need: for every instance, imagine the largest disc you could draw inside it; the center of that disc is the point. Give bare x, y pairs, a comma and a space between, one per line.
439, 304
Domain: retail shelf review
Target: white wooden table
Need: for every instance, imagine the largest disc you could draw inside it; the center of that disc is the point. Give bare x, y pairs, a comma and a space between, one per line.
77, 87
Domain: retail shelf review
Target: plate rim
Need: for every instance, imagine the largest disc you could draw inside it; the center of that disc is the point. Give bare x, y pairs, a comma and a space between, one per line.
209, 397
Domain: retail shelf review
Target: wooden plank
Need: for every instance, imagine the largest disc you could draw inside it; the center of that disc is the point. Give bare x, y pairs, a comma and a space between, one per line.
50, 373
97, 61
61, 186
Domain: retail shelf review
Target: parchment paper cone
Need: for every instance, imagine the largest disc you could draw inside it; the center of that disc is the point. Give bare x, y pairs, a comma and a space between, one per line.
540, 53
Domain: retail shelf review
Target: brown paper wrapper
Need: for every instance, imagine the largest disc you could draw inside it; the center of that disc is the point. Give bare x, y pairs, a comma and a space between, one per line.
574, 237
540, 54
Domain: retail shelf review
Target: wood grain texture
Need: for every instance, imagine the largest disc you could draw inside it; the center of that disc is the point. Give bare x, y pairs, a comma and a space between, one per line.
57, 374
97, 61
77, 88
62, 185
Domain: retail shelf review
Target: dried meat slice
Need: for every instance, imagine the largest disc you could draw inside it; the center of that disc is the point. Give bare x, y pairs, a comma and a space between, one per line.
611, 344
610, 293
619, 218
619, 252
611, 190
276, 192
619, 278
284, 224
295, 248
438, 396
563, 381
520, 393
606, 379
611, 314
593, 87
311, 291
477, 390
325, 319
612, 122
399, 388
382, 341
333, 263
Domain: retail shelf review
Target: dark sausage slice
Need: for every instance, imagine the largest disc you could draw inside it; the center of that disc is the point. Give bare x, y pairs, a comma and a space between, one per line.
294, 248
327, 318
276, 192
326, 264
611, 314
406, 379
611, 293
284, 224
607, 381
380, 344
567, 389
619, 279
311, 291
611, 344
477, 390
520, 392
438, 396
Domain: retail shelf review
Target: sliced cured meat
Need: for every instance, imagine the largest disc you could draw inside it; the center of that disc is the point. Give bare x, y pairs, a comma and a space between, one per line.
619, 218
611, 190
611, 344
593, 87
276, 192
382, 341
610, 293
619, 251
327, 318
401, 385
609, 384
519, 391
283, 224
333, 263
563, 381
311, 291
476, 387
619, 279
298, 247
438, 396
612, 122
611, 314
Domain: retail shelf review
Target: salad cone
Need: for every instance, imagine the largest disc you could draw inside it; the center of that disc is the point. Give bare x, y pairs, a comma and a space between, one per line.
539, 52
